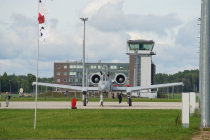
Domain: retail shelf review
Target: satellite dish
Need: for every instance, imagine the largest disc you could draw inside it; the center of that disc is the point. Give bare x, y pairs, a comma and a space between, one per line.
21, 90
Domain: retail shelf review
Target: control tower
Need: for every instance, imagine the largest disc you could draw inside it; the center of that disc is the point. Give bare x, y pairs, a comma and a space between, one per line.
141, 68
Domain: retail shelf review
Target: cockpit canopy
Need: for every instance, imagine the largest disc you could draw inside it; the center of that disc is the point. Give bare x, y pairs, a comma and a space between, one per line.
104, 77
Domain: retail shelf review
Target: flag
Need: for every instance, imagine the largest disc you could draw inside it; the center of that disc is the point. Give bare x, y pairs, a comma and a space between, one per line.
43, 33
42, 9
41, 18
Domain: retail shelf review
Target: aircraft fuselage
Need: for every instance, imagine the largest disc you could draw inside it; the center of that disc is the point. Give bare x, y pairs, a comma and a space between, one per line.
105, 86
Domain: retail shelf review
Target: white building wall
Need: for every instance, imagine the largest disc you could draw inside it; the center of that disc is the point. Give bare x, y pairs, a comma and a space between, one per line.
145, 71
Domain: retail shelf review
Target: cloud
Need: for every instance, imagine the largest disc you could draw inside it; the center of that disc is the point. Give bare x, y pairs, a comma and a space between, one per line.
182, 53
135, 35
111, 18
92, 7
188, 34
19, 42
3, 23
23, 67
53, 22
17, 66
104, 46
109, 28
171, 58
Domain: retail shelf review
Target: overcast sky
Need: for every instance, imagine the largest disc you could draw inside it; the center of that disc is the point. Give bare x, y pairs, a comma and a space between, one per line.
171, 24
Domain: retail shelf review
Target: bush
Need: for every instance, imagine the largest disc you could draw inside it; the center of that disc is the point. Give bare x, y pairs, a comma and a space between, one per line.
52, 94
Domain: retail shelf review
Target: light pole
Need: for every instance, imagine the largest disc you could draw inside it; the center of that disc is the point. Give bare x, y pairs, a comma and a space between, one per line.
83, 71
205, 64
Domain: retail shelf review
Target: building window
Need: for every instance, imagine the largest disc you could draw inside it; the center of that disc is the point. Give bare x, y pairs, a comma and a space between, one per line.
64, 80
72, 79
93, 67
65, 66
58, 73
78, 74
58, 66
126, 67
120, 67
64, 73
79, 66
58, 80
72, 73
113, 67
72, 66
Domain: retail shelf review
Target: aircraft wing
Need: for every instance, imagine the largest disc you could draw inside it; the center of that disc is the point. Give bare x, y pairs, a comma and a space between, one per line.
66, 86
138, 88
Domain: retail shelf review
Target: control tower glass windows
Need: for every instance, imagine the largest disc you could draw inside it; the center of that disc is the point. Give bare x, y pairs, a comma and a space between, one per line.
142, 47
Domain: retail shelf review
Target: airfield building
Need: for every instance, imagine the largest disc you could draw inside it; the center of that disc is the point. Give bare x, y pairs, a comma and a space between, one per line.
141, 68
70, 72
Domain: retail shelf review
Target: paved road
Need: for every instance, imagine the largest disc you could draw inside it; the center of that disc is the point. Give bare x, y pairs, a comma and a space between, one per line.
93, 105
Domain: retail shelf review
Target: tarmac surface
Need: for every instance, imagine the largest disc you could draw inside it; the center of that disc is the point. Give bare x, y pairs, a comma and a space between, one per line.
92, 105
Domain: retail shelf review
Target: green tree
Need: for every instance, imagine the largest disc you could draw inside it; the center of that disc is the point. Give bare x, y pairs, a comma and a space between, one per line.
190, 78
28, 83
5, 83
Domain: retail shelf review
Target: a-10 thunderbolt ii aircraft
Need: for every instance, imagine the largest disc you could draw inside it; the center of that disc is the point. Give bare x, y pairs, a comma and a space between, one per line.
103, 84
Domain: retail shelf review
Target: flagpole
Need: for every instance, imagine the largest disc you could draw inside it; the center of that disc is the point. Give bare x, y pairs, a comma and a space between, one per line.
37, 70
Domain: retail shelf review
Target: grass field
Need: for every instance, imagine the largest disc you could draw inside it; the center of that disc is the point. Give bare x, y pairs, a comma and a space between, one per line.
95, 124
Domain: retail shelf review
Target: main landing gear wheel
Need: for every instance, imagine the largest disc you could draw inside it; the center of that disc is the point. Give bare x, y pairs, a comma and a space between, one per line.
84, 102
129, 101
84, 97
120, 98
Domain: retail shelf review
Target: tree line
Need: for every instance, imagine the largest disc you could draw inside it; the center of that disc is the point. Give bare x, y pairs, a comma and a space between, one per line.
13, 83
190, 78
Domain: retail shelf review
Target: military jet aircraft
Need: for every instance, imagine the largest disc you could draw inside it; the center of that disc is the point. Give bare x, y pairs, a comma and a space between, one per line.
103, 84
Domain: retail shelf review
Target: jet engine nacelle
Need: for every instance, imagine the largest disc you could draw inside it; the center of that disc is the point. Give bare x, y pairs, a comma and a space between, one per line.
95, 78
120, 79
